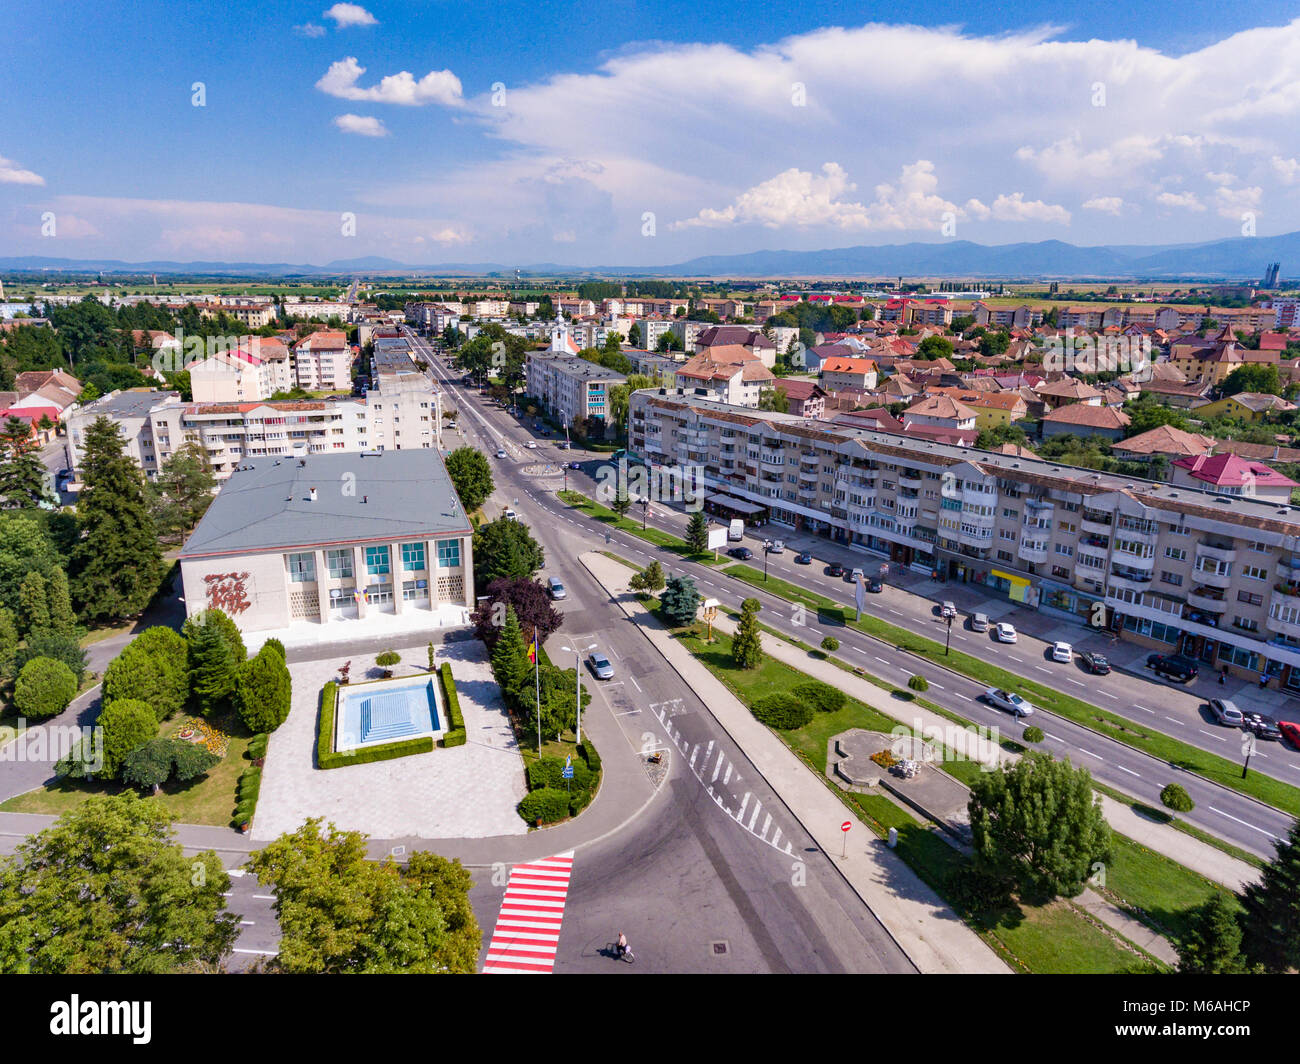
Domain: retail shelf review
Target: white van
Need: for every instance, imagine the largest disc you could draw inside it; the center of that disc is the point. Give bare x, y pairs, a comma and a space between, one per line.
736, 531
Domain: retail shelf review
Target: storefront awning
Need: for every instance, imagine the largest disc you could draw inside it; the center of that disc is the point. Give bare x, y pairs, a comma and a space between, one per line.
741, 506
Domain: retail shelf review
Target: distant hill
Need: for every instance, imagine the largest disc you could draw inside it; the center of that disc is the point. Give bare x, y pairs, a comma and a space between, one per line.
1240, 258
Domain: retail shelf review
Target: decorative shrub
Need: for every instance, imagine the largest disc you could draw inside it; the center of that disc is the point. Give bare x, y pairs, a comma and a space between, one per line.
884, 758
263, 691
918, 683
546, 804
548, 772
44, 688
275, 645
782, 710
589, 755
1032, 734
388, 659
830, 644
455, 736
821, 696
127, 724
1176, 798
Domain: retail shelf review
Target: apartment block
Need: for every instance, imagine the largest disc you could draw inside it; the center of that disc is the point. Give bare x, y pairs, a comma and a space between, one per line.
131, 411
1173, 568
570, 387
322, 362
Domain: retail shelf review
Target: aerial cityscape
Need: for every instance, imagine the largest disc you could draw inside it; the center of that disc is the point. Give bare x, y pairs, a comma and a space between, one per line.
657, 489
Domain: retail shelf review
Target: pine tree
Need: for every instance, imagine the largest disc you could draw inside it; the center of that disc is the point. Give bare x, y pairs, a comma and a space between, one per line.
746, 644
33, 602
59, 598
1212, 945
510, 658
22, 477
183, 490
680, 601
697, 532
213, 668
1271, 922
117, 560
8, 643
621, 503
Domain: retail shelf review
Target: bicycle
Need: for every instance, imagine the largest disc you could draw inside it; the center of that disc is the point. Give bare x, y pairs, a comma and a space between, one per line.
627, 956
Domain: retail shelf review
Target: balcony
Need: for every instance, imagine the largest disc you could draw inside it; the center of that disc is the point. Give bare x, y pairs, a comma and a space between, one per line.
809, 460
1283, 619
773, 458
1209, 599
1212, 579
1033, 550
1097, 524
1136, 562
809, 476
909, 480
1092, 541
1127, 577
1288, 569
1216, 549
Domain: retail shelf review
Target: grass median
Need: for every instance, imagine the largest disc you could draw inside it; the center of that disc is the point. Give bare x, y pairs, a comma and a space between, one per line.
666, 540
1181, 755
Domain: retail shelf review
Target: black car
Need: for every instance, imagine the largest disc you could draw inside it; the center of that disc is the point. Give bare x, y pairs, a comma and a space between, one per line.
804, 558
1172, 667
834, 570
1264, 726
1095, 663
743, 553
874, 585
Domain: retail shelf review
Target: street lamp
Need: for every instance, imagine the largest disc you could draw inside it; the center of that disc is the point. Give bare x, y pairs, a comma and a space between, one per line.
767, 548
577, 653
645, 511
948, 639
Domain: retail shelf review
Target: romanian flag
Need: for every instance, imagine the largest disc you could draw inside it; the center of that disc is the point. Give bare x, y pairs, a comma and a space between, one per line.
532, 652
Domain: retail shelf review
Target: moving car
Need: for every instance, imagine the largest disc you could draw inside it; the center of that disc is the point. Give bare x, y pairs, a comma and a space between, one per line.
600, 665
575, 465
979, 622
1226, 712
1012, 703
510, 515
834, 569
874, 585
501, 452
1062, 652
1262, 725
1095, 663
531, 445
1004, 633
803, 558
1172, 667
777, 547
1291, 730
555, 587
852, 576
743, 553
948, 609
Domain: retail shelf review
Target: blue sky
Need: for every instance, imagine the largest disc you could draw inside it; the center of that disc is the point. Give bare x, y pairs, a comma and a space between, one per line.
635, 133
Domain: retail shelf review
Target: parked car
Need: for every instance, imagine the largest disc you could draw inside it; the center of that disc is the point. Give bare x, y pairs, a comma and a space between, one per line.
979, 622
1173, 667
874, 585
501, 452
575, 465
1262, 725
1226, 712
834, 569
531, 445
555, 588
600, 665
803, 558
1004, 633
776, 547
1009, 701
743, 553
1095, 663
510, 515
1062, 652
853, 575
948, 609
1291, 730
564, 445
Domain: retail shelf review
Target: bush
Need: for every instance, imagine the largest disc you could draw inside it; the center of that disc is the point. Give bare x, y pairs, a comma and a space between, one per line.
44, 688
275, 645
152, 668
821, 696
782, 710
918, 683
455, 735
589, 755
1032, 734
257, 746
548, 772
388, 659
263, 691
64, 648
1176, 798
158, 760
830, 644
546, 804
127, 725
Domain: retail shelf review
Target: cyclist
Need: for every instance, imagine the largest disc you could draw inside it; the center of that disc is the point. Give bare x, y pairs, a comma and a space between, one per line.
622, 944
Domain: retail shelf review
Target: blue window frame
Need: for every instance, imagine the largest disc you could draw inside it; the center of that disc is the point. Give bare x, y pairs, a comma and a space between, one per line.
377, 560
412, 556
448, 553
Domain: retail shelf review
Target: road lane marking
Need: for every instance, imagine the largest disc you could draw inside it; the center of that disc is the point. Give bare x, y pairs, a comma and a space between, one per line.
1176, 720
1243, 823
1220, 738
1129, 771
1108, 694
634, 683
754, 816
1091, 754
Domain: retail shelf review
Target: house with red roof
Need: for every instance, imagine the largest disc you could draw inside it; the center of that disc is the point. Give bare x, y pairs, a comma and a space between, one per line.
1230, 474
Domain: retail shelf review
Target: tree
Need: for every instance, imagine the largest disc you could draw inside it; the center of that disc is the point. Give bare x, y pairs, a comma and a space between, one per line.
8, 643
651, 578
934, 347
44, 688
58, 597
1253, 377
152, 668
471, 476
48, 644
183, 491
510, 664
634, 335
34, 607
22, 477
680, 601
559, 711
339, 912
531, 603
213, 665
1038, 824
126, 724
1271, 918
747, 644
1212, 942
776, 399
504, 549
152, 764
117, 561
621, 502
263, 691
1174, 796
107, 890
697, 532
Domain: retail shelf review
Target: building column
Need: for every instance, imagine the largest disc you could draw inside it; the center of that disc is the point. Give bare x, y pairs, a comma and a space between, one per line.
360, 578
322, 592
398, 573
467, 568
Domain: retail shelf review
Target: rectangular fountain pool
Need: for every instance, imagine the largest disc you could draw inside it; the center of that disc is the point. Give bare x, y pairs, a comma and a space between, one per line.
386, 712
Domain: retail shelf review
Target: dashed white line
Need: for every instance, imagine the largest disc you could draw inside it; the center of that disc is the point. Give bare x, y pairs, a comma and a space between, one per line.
1129, 771
1091, 754
1243, 823
1109, 695
1176, 720
1220, 738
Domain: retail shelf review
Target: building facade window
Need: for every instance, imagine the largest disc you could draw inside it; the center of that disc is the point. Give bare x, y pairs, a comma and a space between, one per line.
412, 557
448, 553
339, 563
377, 561
302, 567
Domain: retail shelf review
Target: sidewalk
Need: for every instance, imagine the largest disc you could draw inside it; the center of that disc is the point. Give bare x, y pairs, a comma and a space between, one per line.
922, 924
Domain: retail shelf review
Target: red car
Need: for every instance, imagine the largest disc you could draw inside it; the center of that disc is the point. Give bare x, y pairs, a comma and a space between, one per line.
1290, 731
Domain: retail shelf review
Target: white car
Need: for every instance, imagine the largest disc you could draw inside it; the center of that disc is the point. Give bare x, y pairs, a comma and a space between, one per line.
531, 445
501, 452
1062, 652
1009, 701
777, 547
600, 665
1004, 633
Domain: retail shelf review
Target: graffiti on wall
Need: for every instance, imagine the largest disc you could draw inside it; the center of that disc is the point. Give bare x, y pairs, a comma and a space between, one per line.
226, 591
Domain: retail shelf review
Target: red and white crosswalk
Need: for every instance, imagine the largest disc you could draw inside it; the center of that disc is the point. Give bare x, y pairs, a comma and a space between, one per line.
528, 926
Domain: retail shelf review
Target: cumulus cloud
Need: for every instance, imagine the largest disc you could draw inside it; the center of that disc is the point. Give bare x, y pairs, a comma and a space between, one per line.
309, 29
1220, 178
1185, 200
438, 86
1015, 208
450, 236
1104, 204
1286, 169
12, 174
361, 125
1233, 202
345, 15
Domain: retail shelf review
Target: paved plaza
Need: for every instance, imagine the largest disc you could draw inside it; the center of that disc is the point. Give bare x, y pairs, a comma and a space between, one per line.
468, 791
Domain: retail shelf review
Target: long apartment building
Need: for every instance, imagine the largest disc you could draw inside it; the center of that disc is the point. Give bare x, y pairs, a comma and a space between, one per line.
1212, 576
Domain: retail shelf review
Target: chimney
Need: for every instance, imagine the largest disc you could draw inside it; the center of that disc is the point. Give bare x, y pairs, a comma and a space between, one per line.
365, 498
313, 494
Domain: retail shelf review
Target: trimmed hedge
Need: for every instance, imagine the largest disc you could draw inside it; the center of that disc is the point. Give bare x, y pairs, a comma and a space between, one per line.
257, 746
548, 772
821, 696
455, 735
328, 758
545, 804
782, 710
589, 755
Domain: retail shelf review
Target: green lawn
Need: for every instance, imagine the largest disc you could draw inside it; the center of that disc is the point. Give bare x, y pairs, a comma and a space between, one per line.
1218, 769
677, 545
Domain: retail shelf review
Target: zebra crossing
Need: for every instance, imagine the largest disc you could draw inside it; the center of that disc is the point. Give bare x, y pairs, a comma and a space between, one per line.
528, 925
709, 764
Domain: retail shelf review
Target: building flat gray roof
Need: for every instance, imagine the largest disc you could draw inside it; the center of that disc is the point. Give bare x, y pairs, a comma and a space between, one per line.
128, 404
360, 497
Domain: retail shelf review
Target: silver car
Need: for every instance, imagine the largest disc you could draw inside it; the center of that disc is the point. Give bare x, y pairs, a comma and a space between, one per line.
1009, 701
600, 665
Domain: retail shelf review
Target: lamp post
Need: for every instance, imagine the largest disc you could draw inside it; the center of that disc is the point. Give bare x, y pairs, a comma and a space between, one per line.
767, 548
577, 653
645, 511
948, 639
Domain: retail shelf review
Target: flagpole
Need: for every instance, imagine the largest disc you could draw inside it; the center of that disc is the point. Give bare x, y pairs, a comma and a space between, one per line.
537, 680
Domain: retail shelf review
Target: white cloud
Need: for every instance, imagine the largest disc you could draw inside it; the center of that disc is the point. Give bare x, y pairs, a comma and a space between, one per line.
1185, 200
1015, 208
1104, 204
1068, 161
438, 86
1286, 169
450, 236
10, 174
362, 125
1220, 178
345, 15
309, 29
1233, 202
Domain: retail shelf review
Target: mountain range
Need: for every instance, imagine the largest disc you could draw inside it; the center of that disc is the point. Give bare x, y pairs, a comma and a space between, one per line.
1239, 258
